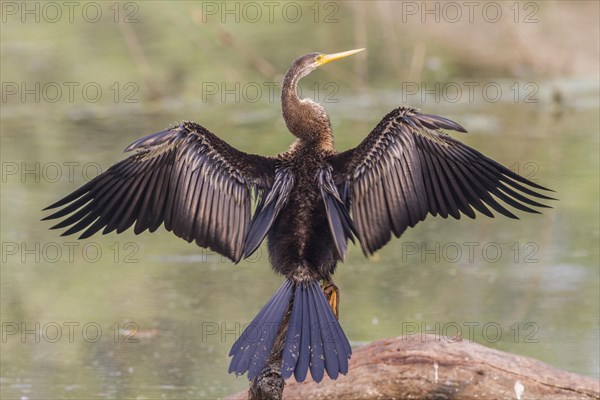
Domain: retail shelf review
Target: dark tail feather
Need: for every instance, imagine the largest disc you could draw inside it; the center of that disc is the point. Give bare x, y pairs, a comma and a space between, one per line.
314, 338
251, 350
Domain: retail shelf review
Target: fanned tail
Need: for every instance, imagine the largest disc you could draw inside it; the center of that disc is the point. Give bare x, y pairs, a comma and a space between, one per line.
251, 350
314, 339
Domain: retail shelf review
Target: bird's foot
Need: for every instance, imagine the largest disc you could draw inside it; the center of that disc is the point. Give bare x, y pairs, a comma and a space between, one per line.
332, 294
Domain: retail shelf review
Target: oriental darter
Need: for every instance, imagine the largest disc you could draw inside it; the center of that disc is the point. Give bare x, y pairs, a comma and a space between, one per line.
310, 200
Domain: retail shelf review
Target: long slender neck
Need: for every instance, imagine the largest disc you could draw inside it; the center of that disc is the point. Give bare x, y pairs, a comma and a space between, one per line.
304, 118
289, 96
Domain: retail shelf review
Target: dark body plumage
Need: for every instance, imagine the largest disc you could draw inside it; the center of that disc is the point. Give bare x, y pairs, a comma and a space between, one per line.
298, 232
311, 201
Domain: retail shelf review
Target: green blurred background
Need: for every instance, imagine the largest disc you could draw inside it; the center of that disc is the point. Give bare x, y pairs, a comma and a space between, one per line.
81, 80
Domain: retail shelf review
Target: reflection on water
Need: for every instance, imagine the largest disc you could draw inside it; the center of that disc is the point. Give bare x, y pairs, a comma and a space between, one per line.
151, 316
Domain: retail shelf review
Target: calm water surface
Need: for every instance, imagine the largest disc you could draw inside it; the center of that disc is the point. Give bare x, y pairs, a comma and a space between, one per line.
150, 316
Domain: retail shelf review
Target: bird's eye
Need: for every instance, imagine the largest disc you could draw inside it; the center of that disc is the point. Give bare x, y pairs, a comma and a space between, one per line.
319, 58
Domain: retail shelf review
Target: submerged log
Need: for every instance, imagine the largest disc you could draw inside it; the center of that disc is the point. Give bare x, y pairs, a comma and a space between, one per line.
434, 367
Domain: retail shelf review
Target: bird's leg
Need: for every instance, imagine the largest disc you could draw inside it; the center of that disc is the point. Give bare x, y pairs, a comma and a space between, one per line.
333, 295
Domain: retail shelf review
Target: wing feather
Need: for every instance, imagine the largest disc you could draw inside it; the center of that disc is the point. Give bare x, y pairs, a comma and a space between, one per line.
184, 177
407, 168
340, 224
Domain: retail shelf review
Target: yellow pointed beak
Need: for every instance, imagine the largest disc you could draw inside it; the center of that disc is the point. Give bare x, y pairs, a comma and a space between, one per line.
325, 58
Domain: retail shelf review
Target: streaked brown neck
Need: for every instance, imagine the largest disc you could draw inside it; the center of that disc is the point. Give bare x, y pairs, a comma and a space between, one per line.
304, 118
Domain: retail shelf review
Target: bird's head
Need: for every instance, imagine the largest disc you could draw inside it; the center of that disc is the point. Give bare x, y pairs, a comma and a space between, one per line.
304, 65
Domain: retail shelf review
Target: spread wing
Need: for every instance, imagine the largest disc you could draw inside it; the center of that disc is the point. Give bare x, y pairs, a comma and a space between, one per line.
186, 177
407, 167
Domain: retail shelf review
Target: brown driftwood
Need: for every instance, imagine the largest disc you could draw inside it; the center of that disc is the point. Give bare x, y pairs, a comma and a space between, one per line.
434, 367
